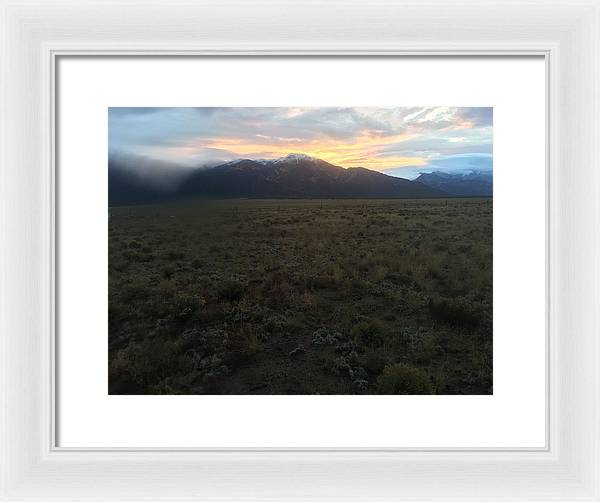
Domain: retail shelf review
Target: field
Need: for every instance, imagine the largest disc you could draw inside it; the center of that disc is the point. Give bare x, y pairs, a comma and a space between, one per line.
301, 297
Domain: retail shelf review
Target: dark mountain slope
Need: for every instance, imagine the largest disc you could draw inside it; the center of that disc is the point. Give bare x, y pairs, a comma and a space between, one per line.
369, 183
298, 176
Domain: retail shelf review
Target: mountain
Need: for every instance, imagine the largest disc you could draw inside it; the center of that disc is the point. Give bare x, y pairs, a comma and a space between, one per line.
475, 183
298, 175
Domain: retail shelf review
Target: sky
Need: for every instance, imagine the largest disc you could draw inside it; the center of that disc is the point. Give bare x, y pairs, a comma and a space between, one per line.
399, 141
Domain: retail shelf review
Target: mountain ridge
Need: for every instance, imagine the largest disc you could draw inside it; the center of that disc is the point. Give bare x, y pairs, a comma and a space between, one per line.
298, 175
469, 184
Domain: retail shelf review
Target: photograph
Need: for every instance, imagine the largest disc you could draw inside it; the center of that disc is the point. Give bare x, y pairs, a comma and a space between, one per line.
300, 250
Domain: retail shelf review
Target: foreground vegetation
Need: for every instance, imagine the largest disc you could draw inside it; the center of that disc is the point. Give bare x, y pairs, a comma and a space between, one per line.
301, 297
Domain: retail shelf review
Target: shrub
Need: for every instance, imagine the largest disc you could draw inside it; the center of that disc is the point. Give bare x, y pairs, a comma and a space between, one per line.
167, 287
168, 272
411, 338
274, 323
369, 332
455, 311
137, 257
403, 379
375, 361
175, 255
316, 282
231, 290
205, 342
378, 272
135, 290
186, 305
295, 323
145, 363
277, 289
360, 386
243, 346
325, 336
116, 311
341, 365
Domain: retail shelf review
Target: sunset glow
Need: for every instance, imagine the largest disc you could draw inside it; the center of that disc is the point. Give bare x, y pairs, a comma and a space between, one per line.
396, 140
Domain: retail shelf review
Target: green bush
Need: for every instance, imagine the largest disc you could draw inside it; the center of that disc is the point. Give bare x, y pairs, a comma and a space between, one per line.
403, 379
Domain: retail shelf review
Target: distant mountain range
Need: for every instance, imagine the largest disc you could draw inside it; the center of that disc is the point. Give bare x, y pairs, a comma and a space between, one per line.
295, 175
463, 184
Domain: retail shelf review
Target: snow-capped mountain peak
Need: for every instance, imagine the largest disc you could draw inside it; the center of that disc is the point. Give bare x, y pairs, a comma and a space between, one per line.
233, 162
289, 158
294, 157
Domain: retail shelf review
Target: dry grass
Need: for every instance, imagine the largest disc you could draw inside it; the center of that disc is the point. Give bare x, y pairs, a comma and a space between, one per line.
400, 282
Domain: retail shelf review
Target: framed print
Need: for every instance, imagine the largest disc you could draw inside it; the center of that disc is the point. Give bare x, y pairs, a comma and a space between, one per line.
299, 250
314, 302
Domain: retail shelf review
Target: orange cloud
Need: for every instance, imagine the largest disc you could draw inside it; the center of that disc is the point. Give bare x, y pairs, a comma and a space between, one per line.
362, 151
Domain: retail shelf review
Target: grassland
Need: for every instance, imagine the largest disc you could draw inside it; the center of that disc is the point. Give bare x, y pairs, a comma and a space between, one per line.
301, 297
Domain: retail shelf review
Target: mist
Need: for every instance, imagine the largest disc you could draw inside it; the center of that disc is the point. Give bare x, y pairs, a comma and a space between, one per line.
148, 173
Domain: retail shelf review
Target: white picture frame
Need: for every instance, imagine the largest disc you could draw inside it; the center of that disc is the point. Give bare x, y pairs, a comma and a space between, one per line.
34, 34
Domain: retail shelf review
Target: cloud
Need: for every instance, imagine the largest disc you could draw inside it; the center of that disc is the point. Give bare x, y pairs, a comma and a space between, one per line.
459, 163
380, 138
480, 116
123, 111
